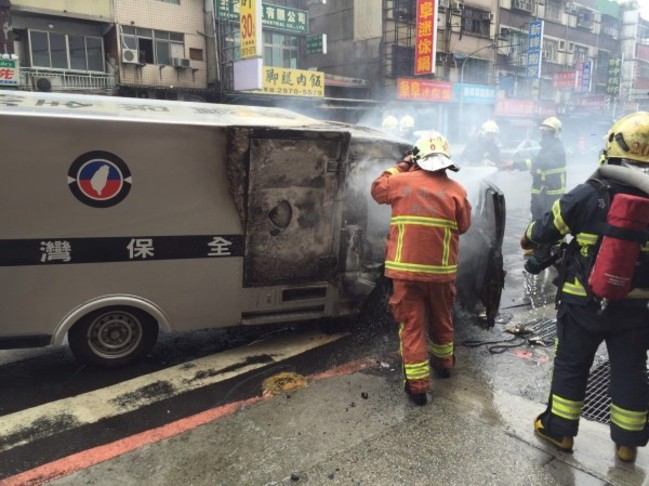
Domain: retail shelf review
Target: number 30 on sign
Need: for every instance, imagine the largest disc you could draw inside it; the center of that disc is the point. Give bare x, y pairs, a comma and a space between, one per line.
250, 28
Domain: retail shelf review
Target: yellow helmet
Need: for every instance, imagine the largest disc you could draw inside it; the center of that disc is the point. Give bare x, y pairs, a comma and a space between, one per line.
552, 124
431, 152
390, 123
628, 138
489, 126
406, 123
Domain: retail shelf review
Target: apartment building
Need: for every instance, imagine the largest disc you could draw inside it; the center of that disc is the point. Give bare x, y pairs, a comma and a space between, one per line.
60, 44
634, 82
144, 48
160, 47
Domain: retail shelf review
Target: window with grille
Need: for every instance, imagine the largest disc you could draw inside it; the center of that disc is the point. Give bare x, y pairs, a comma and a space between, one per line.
554, 9
154, 46
280, 50
477, 22
403, 60
66, 51
550, 49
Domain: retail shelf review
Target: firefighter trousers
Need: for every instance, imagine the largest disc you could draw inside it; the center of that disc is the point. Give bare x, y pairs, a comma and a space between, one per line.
580, 331
423, 311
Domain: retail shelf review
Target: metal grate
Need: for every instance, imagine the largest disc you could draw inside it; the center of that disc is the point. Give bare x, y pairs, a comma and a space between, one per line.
597, 403
544, 329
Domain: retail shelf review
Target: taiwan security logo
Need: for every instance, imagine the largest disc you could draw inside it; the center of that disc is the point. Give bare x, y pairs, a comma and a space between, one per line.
99, 179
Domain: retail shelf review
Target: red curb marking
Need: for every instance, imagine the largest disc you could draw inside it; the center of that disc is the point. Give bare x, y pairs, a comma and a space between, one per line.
83, 460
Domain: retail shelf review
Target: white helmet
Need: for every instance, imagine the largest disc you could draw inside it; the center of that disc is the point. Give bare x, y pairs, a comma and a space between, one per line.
431, 152
390, 123
406, 123
489, 126
552, 124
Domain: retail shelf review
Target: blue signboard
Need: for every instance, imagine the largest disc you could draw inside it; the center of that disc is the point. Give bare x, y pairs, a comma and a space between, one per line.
479, 94
534, 50
586, 75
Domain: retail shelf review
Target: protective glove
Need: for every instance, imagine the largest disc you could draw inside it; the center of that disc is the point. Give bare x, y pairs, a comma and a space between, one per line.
406, 163
526, 244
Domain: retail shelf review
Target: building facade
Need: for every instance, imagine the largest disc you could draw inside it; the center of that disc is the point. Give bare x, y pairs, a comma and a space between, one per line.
514, 60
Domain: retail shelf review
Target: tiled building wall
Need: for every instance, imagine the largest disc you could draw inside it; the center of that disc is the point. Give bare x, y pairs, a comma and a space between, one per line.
187, 18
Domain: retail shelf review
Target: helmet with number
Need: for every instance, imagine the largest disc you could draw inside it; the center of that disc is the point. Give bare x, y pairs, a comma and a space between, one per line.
431, 152
406, 123
628, 140
552, 124
489, 126
390, 123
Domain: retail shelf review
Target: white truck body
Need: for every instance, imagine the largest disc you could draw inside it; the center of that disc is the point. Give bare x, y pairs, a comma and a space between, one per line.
123, 215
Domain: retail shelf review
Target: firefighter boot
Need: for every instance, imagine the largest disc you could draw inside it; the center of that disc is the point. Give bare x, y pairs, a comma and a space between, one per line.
420, 399
439, 369
563, 443
626, 453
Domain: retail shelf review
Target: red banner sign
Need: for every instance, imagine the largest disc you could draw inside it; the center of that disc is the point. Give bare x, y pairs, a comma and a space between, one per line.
565, 79
424, 90
426, 38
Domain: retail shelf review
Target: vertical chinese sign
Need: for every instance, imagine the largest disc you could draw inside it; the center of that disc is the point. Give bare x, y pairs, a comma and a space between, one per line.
614, 72
250, 28
426, 38
534, 50
584, 70
9, 75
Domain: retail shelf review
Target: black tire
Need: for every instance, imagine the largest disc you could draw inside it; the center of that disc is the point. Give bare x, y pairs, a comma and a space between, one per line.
113, 336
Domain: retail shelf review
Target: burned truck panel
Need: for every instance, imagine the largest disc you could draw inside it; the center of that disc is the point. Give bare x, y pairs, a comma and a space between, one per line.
481, 276
292, 200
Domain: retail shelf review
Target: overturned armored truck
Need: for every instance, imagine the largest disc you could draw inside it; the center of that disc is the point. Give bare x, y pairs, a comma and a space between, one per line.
126, 217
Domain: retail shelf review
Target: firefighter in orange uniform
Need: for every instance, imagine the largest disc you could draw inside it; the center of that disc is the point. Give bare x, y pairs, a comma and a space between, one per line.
429, 212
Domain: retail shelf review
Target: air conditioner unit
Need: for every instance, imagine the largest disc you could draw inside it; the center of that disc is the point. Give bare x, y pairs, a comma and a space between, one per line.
181, 62
443, 3
487, 16
130, 56
457, 6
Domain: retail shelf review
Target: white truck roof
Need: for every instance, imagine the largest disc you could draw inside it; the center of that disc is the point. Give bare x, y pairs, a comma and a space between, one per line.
73, 105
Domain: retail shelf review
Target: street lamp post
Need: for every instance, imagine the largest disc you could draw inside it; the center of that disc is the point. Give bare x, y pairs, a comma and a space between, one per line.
468, 56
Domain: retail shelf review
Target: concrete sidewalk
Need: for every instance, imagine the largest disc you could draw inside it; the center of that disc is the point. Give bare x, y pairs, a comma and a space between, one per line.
360, 429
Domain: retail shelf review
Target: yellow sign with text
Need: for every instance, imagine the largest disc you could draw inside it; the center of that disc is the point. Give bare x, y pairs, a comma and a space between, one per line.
250, 29
293, 82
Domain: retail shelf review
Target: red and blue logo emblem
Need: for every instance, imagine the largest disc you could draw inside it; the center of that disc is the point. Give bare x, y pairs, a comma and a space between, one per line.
99, 179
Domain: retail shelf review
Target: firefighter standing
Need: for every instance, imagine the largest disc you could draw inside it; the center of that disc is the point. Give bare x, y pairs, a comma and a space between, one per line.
390, 125
407, 128
548, 168
583, 320
429, 212
483, 147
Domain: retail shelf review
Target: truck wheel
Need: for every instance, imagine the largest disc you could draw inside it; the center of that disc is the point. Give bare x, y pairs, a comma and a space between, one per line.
113, 336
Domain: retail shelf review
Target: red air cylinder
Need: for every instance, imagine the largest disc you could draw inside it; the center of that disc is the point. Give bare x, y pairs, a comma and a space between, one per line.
616, 260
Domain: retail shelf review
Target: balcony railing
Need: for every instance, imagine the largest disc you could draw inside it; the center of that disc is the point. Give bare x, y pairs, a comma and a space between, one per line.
33, 79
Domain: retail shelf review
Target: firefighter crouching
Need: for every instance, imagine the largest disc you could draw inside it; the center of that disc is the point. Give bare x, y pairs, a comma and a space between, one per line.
603, 290
429, 212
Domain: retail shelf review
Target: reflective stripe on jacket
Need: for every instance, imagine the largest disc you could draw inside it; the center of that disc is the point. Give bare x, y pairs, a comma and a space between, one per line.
429, 212
579, 213
548, 169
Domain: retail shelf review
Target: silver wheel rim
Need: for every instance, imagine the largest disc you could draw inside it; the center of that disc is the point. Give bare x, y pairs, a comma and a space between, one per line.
114, 335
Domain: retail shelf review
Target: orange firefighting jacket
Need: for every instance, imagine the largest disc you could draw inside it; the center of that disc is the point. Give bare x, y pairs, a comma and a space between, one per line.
429, 212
